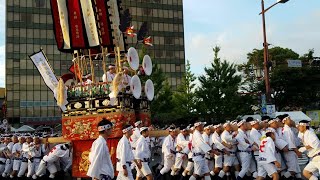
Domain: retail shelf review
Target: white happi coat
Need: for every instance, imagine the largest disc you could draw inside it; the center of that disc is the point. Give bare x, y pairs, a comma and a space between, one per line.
108, 77
227, 138
124, 153
142, 149
255, 136
199, 146
309, 138
289, 137
100, 161
267, 153
168, 146
183, 143
134, 137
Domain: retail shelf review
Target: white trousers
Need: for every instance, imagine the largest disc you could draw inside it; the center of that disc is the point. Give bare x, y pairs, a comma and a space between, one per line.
121, 175
32, 167
168, 164
43, 166
23, 169
292, 161
8, 166
245, 159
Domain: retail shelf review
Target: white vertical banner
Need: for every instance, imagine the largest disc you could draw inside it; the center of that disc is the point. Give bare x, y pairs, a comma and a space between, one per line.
40, 61
90, 22
64, 22
115, 23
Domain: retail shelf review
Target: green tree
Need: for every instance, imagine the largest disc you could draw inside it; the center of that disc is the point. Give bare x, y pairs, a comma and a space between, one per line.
218, 97
292, 88
184, 97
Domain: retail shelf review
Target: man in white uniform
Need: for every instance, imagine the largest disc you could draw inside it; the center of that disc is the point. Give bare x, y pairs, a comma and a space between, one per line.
200, 148
168, 151
135, 135
182, 150
16, 152
9, 142
125, 155
101, 167
244, 149
268, 163
142, 155
281, 145
49, 160
230, 143
110, 74
291, 156
126, 78
311, 145
37, 150
25, 156
255, 136
206, 135
216, 140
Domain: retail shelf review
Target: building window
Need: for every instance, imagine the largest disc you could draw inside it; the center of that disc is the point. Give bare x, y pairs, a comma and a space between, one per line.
159, 53
168, 40
40, 3
169, 53
147, 11
26, 17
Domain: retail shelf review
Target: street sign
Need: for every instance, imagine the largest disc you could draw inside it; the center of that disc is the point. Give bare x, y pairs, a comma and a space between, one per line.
271, 110
294, 63
264, 110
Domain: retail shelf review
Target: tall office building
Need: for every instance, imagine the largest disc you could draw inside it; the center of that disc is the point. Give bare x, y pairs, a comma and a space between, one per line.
29, 27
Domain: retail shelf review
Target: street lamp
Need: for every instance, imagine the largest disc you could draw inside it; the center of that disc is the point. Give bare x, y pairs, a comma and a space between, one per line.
265, 48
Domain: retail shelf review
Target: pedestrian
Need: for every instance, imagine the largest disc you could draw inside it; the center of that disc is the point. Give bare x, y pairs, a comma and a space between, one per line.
101, 167
311, 144
268, 163
125, 155
142, 155
200, 148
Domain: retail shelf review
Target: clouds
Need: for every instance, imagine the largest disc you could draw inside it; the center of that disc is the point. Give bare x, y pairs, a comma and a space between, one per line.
237, 28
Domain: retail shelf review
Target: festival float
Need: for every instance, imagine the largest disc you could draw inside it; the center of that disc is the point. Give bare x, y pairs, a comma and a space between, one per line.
94, 32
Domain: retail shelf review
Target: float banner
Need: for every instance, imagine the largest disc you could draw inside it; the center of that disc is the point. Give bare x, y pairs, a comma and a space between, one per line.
103, 22
90, 22
64, 22
76, 26
40, 61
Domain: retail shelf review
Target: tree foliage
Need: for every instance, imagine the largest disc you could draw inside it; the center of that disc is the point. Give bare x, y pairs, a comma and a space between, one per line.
292, 88
184, 97
218, 92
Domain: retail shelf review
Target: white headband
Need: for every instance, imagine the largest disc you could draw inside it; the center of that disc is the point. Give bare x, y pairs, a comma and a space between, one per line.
226, 124
105, 127
270, 130
304, 124
272, 121
285, 119
137, 123
216, 126
253, 122
127, 129
199, 123
241, 122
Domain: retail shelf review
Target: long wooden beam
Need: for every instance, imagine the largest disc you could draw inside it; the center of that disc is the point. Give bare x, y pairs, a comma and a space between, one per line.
56, 140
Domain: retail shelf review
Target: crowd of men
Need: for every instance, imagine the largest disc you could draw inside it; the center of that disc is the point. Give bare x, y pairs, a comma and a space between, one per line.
243, 149
25, 156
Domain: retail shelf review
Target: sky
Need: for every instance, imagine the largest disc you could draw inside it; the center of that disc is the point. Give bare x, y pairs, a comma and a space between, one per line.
235, 26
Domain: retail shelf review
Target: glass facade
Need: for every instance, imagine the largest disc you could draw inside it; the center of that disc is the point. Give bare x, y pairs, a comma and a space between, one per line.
29, 28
